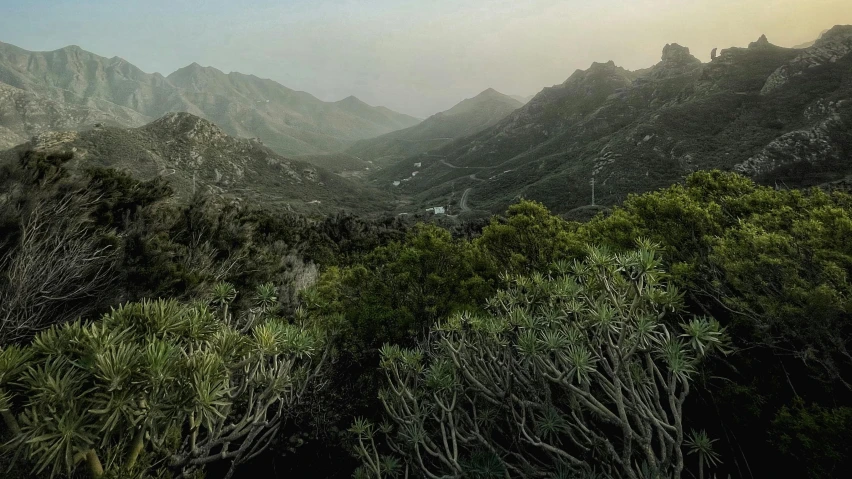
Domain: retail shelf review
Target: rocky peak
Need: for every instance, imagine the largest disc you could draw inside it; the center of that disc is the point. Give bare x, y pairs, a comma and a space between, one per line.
761, 42
676, 60
676, 55
186, 125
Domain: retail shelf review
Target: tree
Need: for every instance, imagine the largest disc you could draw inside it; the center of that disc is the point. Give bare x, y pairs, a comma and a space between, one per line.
578, 373
157, 385
55, 262
530, 238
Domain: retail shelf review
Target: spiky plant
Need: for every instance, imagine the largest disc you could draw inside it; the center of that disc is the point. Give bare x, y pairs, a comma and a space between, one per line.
700, 443
266, 296
154, 385
223, 295
579, 373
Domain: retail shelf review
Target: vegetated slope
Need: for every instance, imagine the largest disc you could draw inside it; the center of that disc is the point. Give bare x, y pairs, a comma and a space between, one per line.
194, 154
774, 113
468, 117
291, 122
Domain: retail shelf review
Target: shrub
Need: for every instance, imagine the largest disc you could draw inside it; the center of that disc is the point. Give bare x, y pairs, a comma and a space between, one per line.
156, 386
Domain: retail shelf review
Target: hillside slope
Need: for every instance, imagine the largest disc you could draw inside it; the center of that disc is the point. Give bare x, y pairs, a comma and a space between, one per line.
194, 154
291, 122
770, 112
468, 117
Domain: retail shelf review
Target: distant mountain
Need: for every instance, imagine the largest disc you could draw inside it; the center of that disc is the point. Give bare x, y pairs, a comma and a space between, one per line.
468, 117
523, 99
811, 43
194, 154
773, 113
114, 91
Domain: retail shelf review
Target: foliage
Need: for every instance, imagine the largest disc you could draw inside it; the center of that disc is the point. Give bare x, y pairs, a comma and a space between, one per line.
156, 386
529, 239
56, 261
583, 371
396, 292
820, 437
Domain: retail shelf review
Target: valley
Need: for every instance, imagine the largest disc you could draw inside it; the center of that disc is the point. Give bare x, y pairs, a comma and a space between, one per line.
642, 271
752, 110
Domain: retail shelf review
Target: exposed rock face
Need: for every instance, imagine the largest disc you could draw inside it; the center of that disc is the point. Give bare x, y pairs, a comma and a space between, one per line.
832, 46
676, 60
813, 145
676, 55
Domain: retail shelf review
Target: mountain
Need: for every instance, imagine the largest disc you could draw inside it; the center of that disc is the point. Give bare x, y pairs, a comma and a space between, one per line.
117, 92
811, 43
523, 99
194, 154
777, 114
468, 117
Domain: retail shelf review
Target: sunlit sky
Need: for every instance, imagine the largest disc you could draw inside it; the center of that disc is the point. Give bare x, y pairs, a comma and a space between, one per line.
413, 56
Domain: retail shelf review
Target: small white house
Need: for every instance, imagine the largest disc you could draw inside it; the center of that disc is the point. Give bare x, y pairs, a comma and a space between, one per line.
396, 183
417, 165
438, 210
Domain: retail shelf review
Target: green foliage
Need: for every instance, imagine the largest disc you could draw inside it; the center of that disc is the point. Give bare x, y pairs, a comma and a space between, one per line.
395, 293
529, 239
174, 384
583, 370
820, 437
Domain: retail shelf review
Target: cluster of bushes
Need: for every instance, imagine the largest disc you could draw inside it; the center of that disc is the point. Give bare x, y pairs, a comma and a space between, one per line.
530, 347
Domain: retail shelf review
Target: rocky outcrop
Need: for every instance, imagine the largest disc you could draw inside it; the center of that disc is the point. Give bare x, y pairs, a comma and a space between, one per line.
676, 60
832, 46
189, 127
676, 55
761, 42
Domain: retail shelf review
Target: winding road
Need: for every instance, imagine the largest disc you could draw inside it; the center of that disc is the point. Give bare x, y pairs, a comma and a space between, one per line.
463, 201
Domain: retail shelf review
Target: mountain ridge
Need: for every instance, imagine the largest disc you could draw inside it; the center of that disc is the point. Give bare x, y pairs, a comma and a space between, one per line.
193, 153
637, 131
467, 117
289, 121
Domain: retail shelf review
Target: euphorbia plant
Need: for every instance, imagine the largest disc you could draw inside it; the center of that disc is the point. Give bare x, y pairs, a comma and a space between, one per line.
156, 386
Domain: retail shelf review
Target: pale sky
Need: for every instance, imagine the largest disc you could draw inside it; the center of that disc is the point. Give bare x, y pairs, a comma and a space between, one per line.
413, 56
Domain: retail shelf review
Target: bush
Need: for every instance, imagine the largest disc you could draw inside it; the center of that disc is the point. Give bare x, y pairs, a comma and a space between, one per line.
580, 372
156, 386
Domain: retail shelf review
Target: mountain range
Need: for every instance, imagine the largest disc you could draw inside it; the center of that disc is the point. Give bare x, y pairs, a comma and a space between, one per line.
194, 154
468, 117
71, 88
776, 114
782, 116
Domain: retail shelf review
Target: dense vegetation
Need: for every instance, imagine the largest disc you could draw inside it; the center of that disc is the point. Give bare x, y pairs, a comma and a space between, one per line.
530, 347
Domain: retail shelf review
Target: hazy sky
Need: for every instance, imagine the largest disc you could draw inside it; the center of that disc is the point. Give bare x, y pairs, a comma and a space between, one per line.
414, 56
